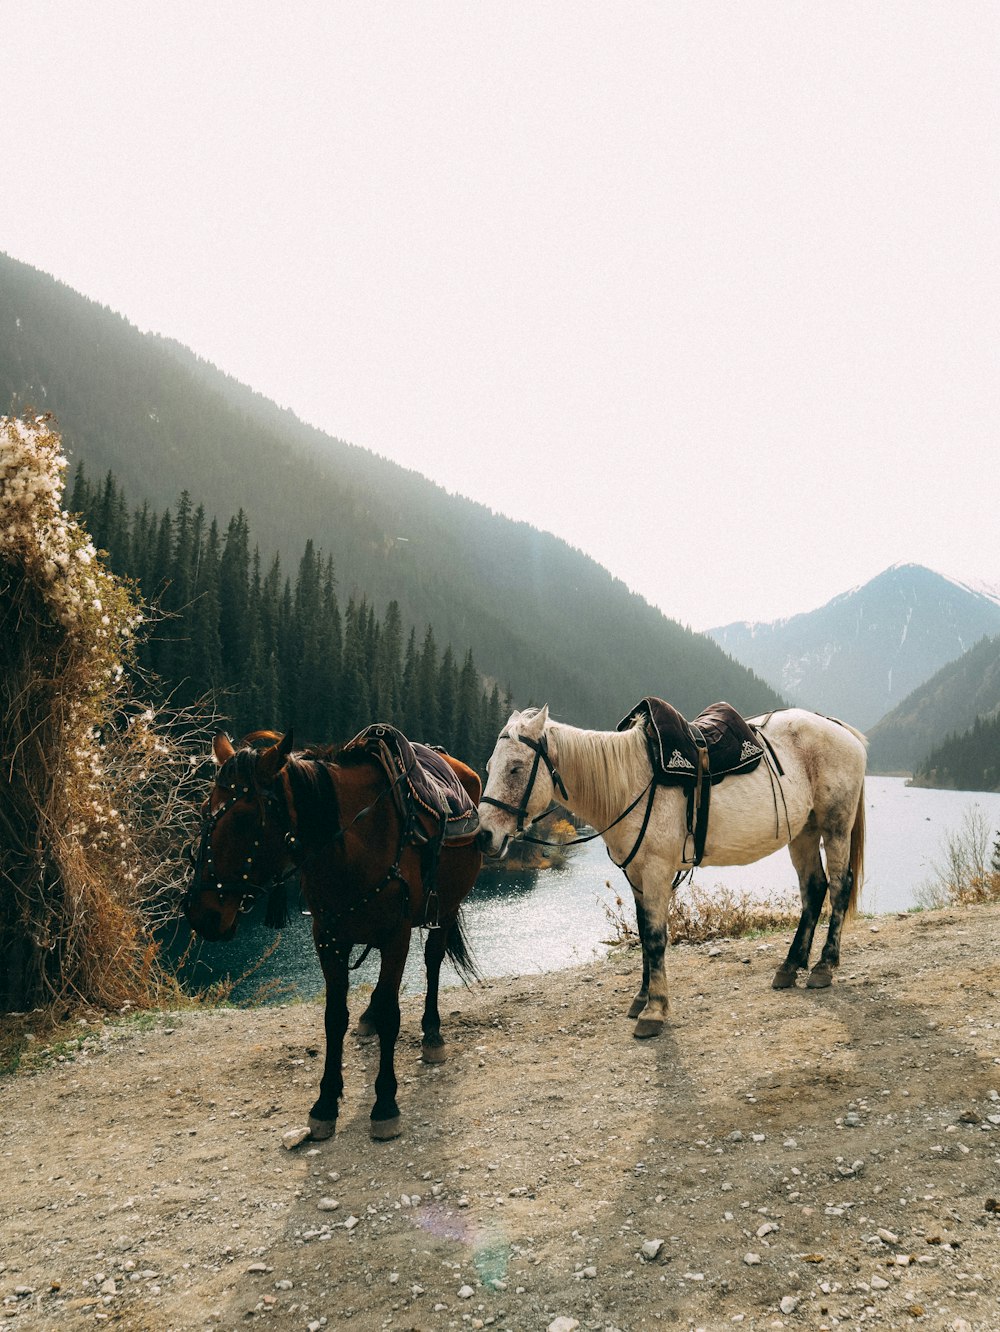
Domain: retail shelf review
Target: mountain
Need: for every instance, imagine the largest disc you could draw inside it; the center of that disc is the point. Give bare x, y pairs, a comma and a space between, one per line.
541, 617
946, 704
866, 650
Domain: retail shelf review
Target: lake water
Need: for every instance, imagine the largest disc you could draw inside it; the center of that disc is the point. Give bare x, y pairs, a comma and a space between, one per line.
536, 922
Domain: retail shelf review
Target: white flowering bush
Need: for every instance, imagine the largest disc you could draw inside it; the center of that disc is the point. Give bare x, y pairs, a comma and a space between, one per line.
92, 786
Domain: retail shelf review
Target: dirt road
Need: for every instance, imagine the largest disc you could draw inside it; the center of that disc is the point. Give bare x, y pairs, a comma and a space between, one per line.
806, 1159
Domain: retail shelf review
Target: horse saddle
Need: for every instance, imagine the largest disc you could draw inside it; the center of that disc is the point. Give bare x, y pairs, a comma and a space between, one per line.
423, 782
695, 755
679, 748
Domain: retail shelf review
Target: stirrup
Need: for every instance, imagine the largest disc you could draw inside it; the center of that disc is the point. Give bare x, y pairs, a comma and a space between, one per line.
432, 911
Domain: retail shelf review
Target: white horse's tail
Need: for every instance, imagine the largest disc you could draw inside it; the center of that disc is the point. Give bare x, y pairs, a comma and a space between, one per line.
857, 861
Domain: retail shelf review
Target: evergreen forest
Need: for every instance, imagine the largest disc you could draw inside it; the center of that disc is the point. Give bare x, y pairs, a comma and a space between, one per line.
271, 651
966, 762
541, 616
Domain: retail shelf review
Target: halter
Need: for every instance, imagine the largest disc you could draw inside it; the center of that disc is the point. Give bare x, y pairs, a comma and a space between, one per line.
246, 888
541, 751
520, 811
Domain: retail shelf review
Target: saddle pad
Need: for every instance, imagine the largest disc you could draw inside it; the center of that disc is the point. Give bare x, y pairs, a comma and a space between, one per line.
673, 750
432, 782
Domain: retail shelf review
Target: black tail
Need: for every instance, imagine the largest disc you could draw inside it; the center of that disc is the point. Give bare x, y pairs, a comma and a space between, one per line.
458, 950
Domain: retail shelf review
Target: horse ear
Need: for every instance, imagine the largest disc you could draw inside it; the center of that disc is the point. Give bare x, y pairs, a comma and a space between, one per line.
535, 725
222, 748
273, 760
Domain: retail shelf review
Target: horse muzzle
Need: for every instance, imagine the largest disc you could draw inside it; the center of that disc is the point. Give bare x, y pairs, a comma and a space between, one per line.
493, 847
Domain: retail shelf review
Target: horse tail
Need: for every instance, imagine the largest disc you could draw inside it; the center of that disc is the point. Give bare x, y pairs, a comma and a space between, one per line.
458, 950
857, 861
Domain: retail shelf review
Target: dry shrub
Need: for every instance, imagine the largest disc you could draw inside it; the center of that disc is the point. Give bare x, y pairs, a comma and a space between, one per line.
697, 915
966, 874
92, 787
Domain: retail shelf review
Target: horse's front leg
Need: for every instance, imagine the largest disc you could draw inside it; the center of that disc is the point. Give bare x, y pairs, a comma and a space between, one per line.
432, 1048
333, 959
639, 1002
386, 1121
655, 940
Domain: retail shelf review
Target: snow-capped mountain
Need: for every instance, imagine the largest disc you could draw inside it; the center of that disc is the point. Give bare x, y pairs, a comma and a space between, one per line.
867, 649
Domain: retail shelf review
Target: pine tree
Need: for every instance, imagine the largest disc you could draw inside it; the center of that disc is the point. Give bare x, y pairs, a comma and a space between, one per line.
354, 692
412, 722
467, 718
387, 700
447, 692
234, 597
204, 645
428, 676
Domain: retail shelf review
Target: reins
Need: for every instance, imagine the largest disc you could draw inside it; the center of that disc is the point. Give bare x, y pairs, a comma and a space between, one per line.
520, 812
590, 837
540, 747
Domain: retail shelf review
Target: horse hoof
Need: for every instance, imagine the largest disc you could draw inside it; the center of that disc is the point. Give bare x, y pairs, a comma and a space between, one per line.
384, 1129
647, 1027
784, 978
820, 977
434, 1054
365, 1031
321, 1129
638, 1004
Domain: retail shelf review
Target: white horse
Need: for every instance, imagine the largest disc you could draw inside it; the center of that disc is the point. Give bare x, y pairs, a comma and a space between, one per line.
813, 796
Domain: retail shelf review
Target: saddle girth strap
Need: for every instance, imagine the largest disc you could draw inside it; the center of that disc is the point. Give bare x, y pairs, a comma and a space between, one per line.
699, 799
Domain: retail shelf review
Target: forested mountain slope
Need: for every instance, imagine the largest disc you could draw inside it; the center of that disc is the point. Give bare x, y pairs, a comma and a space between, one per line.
865, 651
946, 704
541, 617
966, 762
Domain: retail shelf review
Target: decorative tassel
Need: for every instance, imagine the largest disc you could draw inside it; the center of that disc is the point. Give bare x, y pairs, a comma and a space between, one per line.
276, 915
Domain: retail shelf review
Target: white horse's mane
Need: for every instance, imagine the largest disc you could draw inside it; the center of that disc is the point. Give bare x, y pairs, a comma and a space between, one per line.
604, 771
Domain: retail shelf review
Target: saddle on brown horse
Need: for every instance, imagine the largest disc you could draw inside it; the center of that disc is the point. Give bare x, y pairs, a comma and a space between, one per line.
695, 755
425, 786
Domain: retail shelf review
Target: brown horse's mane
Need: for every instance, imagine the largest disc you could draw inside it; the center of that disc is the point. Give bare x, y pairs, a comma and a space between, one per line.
310, 780
316, 753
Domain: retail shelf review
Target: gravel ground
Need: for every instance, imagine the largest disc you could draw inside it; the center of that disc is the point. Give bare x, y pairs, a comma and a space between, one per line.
799, 1159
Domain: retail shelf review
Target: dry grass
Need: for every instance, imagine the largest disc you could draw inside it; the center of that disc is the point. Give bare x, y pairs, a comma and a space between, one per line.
697, 915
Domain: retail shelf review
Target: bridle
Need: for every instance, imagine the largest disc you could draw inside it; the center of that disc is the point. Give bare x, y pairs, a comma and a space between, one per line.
241, 785
238, 777
520, 812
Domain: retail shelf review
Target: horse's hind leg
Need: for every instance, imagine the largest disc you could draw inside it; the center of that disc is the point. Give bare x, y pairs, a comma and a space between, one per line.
804, 851
432, 1048
641, 999
841, 894
364, 1029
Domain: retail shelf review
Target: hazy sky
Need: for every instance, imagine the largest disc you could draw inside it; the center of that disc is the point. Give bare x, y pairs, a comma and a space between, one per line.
708, 289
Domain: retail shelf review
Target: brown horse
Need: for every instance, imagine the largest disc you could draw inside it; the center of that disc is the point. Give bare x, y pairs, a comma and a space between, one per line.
367, 870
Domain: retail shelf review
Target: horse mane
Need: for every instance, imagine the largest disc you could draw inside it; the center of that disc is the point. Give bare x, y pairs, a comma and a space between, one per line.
603, 770
313, 792
259, 740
